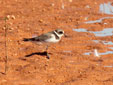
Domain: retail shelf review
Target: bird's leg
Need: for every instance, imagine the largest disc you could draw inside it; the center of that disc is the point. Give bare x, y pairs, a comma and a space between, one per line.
47, 48
47, 54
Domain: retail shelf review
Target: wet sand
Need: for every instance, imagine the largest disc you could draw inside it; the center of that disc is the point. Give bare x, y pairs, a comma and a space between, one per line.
88, 25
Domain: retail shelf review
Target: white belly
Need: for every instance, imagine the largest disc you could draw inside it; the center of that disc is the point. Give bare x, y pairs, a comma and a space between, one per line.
52, 39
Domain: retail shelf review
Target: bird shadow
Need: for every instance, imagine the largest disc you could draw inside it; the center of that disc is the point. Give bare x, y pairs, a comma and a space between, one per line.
45, 53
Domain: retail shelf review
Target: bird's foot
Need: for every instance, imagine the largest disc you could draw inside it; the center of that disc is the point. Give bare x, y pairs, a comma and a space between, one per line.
47, 55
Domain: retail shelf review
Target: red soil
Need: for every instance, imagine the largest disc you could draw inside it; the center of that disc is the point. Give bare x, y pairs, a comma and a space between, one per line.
67, 65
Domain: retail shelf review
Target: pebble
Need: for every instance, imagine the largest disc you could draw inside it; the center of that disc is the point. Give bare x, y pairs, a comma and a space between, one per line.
70, 0
41, 21
87, 6
10, 17
86, 18
52, 4
62, 6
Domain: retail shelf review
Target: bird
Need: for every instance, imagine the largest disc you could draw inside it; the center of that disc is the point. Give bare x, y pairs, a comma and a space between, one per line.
49, 37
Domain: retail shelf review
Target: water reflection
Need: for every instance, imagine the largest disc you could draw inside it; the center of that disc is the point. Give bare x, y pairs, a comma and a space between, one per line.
108, 42
109, 66
103, 53
111, 48
106, 8
104, 42
103, 33
80, 30
98, 20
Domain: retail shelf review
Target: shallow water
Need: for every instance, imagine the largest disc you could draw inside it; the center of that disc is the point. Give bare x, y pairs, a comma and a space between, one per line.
96, 41
103, 33
98, 20
104, 53
104, 42
111, 48
106, 8
108, 42
109, 66
87, 53
80, 30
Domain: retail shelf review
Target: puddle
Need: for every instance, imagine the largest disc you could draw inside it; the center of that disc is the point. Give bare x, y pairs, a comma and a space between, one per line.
107, 52
104, 42
98, 20
104, 53
108, 42
103, 33
111, 48
96, 41
109, 66
87, 53
106, 8
80, 30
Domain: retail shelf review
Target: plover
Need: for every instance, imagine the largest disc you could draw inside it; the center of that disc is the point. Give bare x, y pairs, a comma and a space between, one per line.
50, 37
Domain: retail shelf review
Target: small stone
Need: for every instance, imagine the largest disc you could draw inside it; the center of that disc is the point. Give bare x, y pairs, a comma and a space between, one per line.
4, 28
49, 80
12, 16
10, 40
8, 17
86, 18
10, 23
33, 9
4, 80
105, 23
62, 6
15, 54
40, 20
87, 6
70, 0
95, 3
11, 29
52, 4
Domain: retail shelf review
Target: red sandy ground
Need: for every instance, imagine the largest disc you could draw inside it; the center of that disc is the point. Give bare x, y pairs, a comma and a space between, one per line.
27, 18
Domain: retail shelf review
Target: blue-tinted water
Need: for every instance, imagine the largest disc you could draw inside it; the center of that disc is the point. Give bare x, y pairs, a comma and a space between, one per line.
98, 20
109, 66
111, 48
104, 53
106, 8
103, 33
87, 53
80, 30
104, 42
108, 42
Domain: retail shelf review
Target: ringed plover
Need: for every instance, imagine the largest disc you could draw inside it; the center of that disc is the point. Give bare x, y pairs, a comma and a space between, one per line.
50, 37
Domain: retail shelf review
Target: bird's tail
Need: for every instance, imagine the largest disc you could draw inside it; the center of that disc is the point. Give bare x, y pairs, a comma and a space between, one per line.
28, 39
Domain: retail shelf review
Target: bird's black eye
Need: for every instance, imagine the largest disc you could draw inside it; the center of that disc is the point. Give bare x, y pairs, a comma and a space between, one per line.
60, 32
